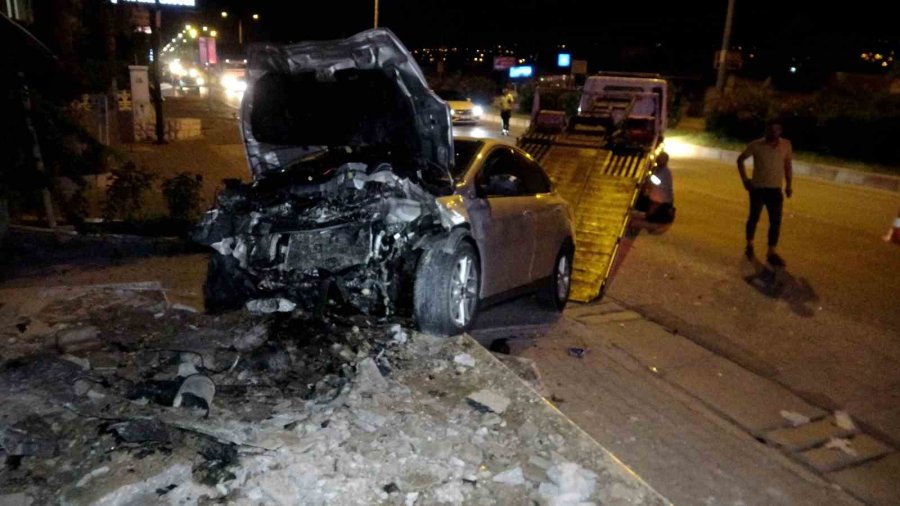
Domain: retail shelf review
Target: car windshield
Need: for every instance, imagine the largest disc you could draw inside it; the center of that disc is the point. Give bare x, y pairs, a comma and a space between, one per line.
465, 152
453, 95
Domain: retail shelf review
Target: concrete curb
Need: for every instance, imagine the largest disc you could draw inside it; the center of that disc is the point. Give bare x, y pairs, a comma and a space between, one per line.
839, 175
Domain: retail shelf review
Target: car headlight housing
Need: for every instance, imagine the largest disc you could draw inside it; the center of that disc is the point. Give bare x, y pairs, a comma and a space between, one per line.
478, 110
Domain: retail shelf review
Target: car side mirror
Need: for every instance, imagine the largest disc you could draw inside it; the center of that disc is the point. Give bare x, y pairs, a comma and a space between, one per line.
504, 185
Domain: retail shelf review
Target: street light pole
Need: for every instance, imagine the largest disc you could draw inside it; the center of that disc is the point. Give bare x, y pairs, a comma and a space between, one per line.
154, 75
376, 13
726, 42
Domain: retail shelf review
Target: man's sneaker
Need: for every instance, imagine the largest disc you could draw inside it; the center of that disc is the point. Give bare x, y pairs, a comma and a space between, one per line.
775, 260
748, 252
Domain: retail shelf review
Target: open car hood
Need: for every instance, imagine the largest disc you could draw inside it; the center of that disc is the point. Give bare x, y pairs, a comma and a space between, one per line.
363, 93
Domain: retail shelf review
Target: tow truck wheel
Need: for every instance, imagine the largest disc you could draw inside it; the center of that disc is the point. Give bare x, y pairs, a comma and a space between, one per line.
446, 290
225, 287
555, 294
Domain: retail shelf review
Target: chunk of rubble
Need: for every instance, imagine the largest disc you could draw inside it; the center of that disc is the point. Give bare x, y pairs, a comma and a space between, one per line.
842, 419
796, 419
489, 400
141, 431
269, 306
464, 359
100, 471
842, 444
368, 377
571, 484
512, 477
252, 338
78, 339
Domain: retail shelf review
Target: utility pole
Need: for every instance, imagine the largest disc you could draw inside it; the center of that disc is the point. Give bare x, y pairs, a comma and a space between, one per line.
726, 43
376, 13
154, 74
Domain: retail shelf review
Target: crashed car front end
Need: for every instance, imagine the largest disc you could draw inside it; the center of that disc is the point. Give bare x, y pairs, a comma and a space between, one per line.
350, 152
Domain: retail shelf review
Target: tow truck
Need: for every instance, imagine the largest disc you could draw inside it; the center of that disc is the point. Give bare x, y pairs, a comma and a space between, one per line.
598, 159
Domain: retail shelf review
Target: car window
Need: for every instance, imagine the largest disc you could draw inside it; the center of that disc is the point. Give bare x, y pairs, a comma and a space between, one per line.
451, 95
499, 161
533, 177
465, 152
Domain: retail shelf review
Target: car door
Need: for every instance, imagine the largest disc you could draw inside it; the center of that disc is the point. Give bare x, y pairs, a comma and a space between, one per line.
501, 225
546, 214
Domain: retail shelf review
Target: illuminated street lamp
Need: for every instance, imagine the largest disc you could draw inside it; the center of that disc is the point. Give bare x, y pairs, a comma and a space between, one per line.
213, 33
224, 14
256, 17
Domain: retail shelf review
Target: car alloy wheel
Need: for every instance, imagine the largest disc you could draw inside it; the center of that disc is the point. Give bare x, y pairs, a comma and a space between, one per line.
463, 290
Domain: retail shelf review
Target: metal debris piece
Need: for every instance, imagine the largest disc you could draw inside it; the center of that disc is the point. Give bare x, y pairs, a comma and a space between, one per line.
195, 388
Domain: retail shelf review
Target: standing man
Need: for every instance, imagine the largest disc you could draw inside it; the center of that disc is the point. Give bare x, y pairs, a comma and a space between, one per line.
506, 107
771, 169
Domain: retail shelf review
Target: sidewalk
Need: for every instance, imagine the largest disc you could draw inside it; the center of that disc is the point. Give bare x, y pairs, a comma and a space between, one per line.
697, 427
824, 443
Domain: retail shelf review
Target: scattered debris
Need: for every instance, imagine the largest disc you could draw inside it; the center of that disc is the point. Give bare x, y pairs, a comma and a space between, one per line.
577, 352
796, 419
489, 400
842, 419
306, 411
842, 444
184, 307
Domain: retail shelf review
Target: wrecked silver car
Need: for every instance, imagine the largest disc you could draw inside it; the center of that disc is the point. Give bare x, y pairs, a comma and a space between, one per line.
360, 197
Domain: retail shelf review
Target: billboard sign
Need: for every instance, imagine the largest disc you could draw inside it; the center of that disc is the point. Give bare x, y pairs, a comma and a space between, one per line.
504, 62
521, 71
167, 3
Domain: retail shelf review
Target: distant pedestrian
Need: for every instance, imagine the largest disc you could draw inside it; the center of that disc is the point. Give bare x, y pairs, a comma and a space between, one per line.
772, 169
506, 107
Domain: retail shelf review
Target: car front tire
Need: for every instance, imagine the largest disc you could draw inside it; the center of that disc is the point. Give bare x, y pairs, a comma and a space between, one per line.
446, 290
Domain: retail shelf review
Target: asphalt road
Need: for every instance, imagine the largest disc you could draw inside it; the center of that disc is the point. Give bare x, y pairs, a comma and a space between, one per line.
828, 328
831, 332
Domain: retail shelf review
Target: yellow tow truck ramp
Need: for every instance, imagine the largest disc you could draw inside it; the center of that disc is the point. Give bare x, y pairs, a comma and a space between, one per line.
598, 160
601, 186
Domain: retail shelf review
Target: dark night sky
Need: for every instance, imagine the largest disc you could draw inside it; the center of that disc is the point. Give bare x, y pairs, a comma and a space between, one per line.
684, 34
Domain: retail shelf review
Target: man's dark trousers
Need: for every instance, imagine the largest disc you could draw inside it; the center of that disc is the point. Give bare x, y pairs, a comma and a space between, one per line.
773, 200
